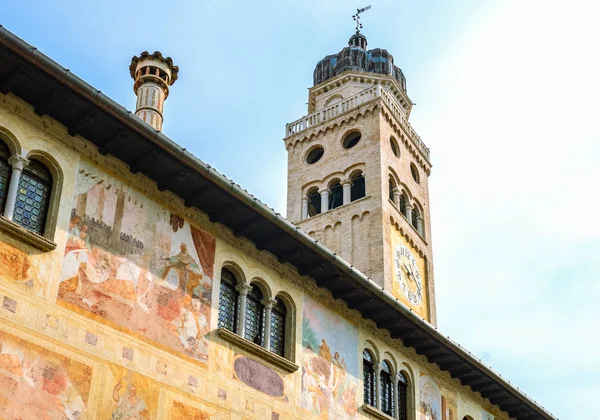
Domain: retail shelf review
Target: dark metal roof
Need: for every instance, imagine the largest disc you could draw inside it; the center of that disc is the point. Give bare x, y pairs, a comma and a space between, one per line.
55, 91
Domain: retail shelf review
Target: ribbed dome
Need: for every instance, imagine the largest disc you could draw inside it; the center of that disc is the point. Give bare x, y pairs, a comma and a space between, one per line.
356, 57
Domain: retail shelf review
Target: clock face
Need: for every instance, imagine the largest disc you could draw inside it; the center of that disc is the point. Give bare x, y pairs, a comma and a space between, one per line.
408, 274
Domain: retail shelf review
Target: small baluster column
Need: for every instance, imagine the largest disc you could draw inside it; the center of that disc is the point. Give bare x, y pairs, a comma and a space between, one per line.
408, 212
18, 163
268, 303
347, 191
243, 290
324, 199
420, 225
304, 208
397, 194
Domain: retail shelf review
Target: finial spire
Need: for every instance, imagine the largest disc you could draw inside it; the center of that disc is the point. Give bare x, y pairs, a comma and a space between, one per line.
356, 18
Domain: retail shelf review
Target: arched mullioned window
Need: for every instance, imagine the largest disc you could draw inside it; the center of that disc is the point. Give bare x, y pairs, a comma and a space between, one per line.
402, 397
416, 215
228, 301
255, 316
336, 195
314, 202
4, 172
33, 197
368, 378
392, 187
278, 318
403, 201
358, 187
386, 389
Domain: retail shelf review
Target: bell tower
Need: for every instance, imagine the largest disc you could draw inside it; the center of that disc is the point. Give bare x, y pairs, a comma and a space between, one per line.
358, 173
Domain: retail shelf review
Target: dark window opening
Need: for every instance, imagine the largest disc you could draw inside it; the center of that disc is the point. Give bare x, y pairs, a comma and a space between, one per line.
314, 155
368, 378
403, 204
415, 217
402, 397
277, 339
336, 195
33, 197
386, 389
314, 203
5, 171
351, 140
358, 188
228, 301
415, 173
394, 147
255, 313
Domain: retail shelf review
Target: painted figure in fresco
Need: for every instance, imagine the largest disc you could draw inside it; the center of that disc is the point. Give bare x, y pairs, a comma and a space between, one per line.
181, 272
129, 405
32, 387
190, 327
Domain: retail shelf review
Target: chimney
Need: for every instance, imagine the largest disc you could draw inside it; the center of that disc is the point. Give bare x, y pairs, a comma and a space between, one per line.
153, 74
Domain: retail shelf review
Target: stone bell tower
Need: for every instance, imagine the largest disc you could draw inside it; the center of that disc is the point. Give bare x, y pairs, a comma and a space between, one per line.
358, 173
153, 74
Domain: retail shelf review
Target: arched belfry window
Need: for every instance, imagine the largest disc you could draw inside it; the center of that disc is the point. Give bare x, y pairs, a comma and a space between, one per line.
392, 187
386, 389
402, 396
358, 187
255, 316
369, 378
314, 202
278, 318
33, 197
4, 172
336, 195
228, 301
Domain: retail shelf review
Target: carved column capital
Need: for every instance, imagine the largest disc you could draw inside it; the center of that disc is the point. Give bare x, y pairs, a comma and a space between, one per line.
18, 162
268, 302
243, 289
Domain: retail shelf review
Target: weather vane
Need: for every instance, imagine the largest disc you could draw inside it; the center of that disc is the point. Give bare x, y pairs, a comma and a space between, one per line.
356, 17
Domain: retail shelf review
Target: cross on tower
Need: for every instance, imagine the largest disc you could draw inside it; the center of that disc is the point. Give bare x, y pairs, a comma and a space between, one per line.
356, 17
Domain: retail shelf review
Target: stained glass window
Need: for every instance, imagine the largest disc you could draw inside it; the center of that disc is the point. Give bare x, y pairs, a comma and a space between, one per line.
278, 315
255, 312
402, 396
33, 197
368, 378
228, 301
386, 389
5, 171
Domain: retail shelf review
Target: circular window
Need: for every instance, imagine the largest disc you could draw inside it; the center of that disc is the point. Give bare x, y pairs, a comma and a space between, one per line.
314, 155
415, 173
394, 146
351, 140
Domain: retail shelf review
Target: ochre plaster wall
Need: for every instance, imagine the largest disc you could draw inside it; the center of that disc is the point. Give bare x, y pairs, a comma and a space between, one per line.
83, 335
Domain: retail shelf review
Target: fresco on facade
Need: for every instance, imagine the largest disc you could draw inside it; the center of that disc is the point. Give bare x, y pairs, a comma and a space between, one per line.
133, 396
430, 399
449, 408
136, 266
181, 411
20, 268
36, 383
329, 363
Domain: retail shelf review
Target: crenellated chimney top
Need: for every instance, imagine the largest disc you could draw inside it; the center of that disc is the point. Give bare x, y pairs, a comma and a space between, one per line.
153, 74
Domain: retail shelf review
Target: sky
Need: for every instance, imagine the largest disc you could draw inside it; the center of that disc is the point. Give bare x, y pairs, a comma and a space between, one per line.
507, 100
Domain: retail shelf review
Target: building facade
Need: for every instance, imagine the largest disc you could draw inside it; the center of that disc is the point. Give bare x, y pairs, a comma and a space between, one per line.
136, 282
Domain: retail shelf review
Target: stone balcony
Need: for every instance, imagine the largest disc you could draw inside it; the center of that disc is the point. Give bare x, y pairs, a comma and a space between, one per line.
353, 102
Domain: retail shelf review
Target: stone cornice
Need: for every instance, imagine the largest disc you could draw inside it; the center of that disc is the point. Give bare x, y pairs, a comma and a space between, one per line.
31, 238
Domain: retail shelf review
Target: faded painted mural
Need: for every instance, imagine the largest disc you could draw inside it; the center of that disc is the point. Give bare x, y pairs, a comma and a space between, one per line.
429, 392
449, 408
137, 267
36, 383
181, 411
27, 271
132, 396
329, 363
